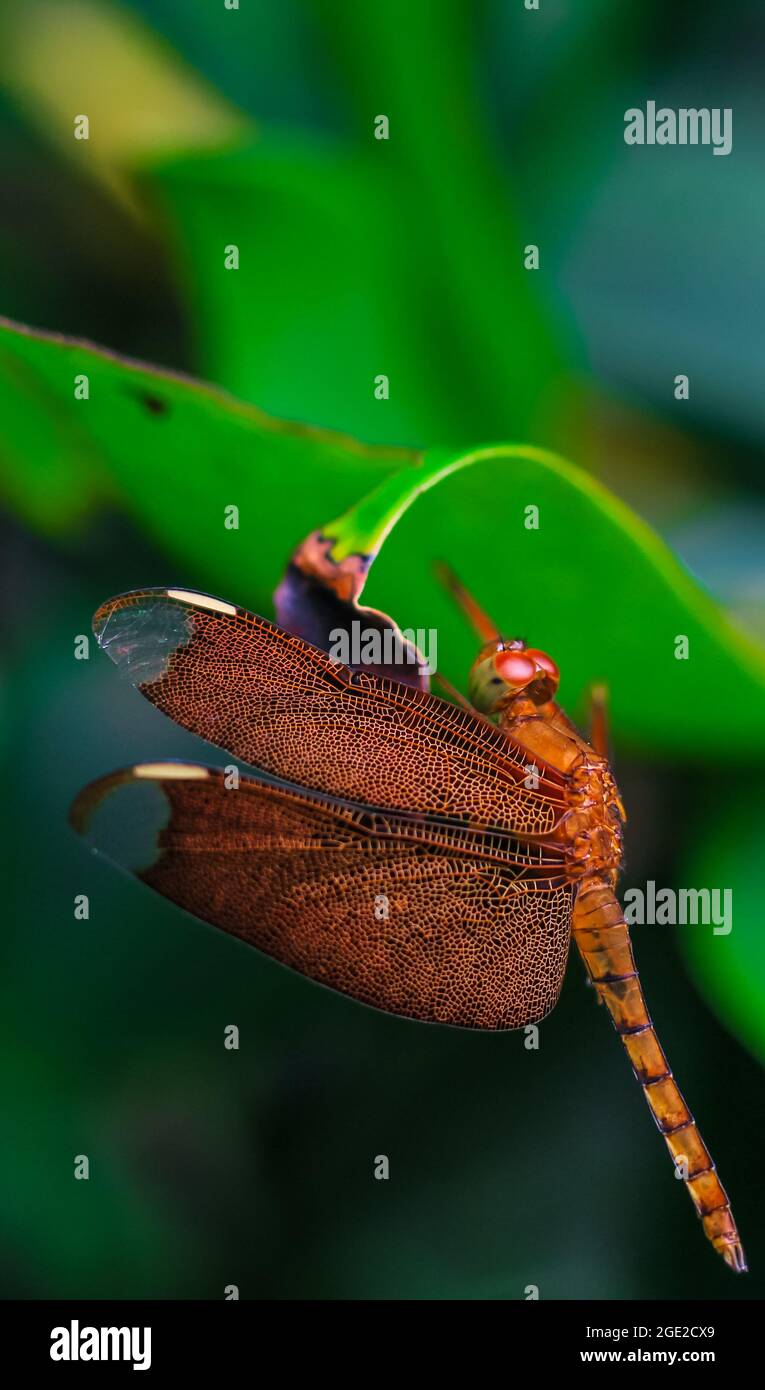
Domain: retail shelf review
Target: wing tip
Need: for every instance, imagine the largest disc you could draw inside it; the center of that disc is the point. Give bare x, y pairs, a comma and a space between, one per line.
142, 629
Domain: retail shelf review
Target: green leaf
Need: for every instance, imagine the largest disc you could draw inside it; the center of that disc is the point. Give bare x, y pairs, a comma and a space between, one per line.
593, 584
352, 265
462, 226
323, 301
729, 968
174, 453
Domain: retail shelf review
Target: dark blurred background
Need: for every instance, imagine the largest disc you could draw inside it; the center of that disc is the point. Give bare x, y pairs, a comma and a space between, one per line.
509, 1167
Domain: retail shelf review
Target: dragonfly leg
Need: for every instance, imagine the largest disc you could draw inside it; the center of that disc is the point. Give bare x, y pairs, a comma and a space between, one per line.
598, 700
480, 623
603, 939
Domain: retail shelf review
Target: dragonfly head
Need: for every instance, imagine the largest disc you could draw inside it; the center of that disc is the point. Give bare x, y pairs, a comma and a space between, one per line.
505, 668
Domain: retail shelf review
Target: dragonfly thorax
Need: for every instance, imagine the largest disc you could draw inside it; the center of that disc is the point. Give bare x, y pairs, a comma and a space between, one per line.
593, 826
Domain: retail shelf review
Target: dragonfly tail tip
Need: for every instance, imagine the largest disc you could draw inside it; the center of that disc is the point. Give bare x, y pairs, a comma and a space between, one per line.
734, 1257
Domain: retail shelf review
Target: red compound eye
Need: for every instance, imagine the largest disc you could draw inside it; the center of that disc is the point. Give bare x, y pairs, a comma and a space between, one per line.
545, 661
515, 667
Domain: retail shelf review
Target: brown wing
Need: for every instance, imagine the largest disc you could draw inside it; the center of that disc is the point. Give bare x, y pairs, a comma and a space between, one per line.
282, 705
412, 916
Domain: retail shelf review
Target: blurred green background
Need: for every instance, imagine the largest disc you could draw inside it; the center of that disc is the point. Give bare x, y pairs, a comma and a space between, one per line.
255, 127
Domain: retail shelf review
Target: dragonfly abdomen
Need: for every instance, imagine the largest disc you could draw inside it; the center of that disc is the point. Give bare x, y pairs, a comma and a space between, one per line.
603, 939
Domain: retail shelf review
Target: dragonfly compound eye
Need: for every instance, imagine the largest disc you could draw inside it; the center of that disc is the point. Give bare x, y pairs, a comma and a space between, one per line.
516, 668
545, 663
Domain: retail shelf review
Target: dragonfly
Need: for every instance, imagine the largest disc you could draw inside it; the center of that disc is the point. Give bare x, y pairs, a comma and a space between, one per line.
429, 857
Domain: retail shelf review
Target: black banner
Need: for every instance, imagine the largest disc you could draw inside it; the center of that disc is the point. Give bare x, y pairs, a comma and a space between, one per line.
157, 1339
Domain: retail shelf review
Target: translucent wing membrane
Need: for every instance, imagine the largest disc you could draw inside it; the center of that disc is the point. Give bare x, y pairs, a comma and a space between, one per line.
408, 913
279, 704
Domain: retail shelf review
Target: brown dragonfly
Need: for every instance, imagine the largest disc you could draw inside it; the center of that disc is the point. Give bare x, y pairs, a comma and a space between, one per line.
429, 858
